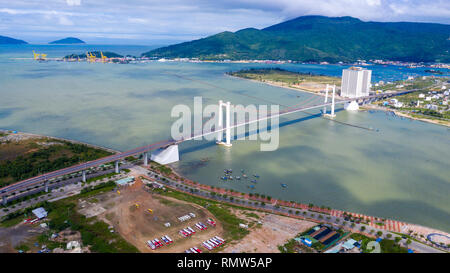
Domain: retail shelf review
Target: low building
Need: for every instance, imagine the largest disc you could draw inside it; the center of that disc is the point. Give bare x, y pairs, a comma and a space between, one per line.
125, 181
349, 244
39, 213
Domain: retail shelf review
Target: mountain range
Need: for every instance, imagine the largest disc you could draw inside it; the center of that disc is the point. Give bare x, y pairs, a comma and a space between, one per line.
320, 38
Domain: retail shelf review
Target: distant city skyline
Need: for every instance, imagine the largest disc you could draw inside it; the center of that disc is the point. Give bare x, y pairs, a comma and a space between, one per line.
170, 21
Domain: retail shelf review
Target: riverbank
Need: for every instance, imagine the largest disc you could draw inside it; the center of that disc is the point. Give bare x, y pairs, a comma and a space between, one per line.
416, 231
313, 84
310, 212
405, 115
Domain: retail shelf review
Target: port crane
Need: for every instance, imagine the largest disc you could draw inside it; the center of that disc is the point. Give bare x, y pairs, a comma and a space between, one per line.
90, 57
104, 58
39, 57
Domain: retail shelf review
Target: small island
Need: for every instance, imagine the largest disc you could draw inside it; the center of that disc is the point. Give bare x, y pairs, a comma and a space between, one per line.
11, 41
67, 41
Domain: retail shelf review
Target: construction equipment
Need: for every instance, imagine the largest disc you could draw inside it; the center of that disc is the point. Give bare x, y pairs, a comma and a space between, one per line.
43, 57
137, 205
90, 57
118, 192
36, 56
150, 210
104, 58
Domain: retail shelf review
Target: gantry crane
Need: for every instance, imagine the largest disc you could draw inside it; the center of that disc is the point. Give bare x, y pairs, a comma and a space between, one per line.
104, 58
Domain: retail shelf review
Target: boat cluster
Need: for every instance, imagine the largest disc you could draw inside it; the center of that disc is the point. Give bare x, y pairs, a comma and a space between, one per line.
228, 176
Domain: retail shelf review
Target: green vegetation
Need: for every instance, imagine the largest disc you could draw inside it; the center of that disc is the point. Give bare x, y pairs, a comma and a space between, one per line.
63, 215
319, 38
100, 177
102, 187
284, 76
364, 241
390, 246
95, 233
387, 246
252, 214
440, 114
33, 159
160, 168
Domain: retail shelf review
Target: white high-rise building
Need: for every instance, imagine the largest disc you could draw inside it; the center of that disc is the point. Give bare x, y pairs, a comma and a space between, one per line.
355, 82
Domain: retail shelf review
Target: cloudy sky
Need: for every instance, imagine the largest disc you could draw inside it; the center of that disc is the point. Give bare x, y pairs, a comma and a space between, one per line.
168, 21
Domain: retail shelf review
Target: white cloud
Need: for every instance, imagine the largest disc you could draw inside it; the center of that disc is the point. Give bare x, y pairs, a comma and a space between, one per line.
191, 19
64, 21
138, 20
73, 2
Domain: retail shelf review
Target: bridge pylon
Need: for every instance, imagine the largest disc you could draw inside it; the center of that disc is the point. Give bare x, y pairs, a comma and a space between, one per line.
227, 142
331, 115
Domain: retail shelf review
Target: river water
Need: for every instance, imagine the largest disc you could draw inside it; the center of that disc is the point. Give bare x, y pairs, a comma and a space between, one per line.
399, 170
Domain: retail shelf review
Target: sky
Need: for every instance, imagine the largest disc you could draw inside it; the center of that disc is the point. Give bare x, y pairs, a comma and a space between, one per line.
154, 22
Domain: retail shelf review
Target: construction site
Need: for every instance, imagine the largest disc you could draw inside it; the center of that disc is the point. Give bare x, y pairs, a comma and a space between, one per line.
140, 216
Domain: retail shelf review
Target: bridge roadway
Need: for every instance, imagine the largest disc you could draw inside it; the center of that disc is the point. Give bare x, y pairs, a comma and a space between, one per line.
140, 150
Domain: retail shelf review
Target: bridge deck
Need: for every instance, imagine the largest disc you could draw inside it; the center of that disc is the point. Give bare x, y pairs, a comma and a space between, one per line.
76, 168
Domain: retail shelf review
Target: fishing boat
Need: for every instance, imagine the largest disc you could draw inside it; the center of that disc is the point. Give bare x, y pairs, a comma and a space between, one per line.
251, 187
244, 176
284, 185
242, 170
254, 181
238, 178
255, 175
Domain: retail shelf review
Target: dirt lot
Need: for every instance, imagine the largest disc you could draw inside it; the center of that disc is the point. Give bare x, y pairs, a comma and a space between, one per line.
274, 230
137, 224
13, 236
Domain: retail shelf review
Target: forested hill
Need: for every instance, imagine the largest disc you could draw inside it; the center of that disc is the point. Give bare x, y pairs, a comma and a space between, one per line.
10, 41
319, 38
68, 40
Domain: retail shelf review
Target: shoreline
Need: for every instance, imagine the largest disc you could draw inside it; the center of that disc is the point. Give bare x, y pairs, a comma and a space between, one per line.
390, 224
31, 135
274, 84
365, 107
401, 114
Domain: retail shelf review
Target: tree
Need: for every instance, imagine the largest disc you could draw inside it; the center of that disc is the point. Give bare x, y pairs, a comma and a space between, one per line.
388, 235
363, 228
398, 239
379, 233
408, 241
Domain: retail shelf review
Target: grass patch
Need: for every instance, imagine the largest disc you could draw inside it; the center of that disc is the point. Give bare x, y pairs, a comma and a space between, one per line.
390, 246
12, 222
100, 177
252, 214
